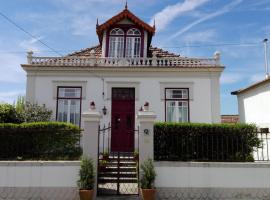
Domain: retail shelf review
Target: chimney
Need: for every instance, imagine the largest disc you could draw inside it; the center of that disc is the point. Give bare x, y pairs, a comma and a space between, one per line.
265, 41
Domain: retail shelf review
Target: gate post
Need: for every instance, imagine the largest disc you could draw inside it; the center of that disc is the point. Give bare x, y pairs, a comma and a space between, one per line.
91, 119
146, 135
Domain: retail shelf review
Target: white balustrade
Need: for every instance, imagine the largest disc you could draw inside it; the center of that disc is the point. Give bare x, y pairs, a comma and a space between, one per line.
124, 62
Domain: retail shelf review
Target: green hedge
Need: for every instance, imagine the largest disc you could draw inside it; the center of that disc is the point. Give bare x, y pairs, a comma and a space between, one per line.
204, 142
40, 141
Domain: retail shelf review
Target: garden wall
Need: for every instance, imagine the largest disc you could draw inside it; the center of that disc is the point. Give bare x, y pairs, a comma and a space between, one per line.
46, 180
56, 180
191, 180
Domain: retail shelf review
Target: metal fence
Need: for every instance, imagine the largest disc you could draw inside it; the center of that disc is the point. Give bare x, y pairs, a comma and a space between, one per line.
262, 153
117, 171
213, 147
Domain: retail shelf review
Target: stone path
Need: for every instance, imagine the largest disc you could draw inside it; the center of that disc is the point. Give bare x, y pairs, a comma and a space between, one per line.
133, 197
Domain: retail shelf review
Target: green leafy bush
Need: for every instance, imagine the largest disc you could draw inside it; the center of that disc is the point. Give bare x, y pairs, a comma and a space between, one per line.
204, 142
40, 141
8, 114
23, 111
148, 175
31, 112
86, 174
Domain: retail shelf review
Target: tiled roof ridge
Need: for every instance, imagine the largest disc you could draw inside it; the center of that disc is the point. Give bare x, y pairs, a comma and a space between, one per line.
97, 49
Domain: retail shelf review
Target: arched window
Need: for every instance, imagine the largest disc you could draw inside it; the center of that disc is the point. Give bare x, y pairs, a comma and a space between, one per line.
133, 43
116, 43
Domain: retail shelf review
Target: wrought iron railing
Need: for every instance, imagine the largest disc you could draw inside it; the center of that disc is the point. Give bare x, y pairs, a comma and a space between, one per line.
212, 147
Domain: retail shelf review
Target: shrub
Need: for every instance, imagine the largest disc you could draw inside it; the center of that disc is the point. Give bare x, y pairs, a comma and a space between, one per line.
86, 174
40, 141
31, 112
204, 142
8, 114
148, 175
24, 111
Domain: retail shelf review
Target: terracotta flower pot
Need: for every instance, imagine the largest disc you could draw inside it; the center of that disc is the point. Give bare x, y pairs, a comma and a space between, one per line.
86, 194
148, 194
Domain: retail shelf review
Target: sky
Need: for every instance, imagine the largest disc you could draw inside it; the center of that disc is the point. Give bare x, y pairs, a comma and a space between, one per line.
193, 28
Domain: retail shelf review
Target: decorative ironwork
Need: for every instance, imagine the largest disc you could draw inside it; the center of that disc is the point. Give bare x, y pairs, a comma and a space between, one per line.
210, 147
117, 171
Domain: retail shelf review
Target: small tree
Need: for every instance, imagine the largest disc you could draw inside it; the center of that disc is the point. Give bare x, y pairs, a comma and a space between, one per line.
148, 175
86, 174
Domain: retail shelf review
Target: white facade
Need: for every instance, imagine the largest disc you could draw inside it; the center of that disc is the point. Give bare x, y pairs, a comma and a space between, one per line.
149, 84
125, 58
254, 105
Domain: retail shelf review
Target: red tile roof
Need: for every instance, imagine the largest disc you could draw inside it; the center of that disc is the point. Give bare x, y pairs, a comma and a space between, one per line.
229, 119
97, 50
125, 14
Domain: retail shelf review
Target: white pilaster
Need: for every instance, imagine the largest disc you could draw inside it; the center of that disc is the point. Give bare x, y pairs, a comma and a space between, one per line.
91, 120
146, 135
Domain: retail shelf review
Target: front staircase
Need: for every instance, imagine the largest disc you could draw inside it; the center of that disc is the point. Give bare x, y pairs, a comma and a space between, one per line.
118, 174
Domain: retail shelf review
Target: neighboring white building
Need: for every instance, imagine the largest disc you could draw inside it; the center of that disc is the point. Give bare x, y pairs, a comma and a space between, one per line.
254, 103
122, 73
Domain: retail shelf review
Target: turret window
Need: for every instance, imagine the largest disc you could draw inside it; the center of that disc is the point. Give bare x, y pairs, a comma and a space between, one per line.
124, 44
133, 43
116, 43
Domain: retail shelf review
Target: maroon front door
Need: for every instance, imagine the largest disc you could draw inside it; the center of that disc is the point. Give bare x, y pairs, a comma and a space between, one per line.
123, 113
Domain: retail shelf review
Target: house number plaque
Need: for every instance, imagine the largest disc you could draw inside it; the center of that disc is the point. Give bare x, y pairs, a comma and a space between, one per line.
146, 131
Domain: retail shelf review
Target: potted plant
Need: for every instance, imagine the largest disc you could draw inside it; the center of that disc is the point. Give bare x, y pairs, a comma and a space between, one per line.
92, 105
86, 179
147, 180
146, 106
102, 165
136, 155
105, 155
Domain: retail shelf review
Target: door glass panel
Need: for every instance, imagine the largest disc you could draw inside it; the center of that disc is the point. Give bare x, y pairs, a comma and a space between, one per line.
123, 93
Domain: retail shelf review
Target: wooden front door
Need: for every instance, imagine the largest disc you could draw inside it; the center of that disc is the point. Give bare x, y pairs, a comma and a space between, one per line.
123, 119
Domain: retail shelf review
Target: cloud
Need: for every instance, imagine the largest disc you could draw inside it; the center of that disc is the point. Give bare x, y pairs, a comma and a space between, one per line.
221, 11
168, 14
31, 44
231, 78
201, 36
11, 96
257, 77
10, 69
82, 26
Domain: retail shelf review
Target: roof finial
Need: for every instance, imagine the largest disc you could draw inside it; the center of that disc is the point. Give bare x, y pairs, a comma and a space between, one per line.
126, 6
154, 26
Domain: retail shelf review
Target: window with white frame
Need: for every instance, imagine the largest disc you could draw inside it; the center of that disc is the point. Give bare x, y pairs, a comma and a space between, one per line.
133, 43
116, 43
177, 104
69, 104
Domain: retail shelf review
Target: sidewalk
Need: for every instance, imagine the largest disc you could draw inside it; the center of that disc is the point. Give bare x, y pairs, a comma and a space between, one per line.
132, 197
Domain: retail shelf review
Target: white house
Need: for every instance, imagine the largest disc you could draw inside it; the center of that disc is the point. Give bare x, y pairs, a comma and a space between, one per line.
120, 74
254, 103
